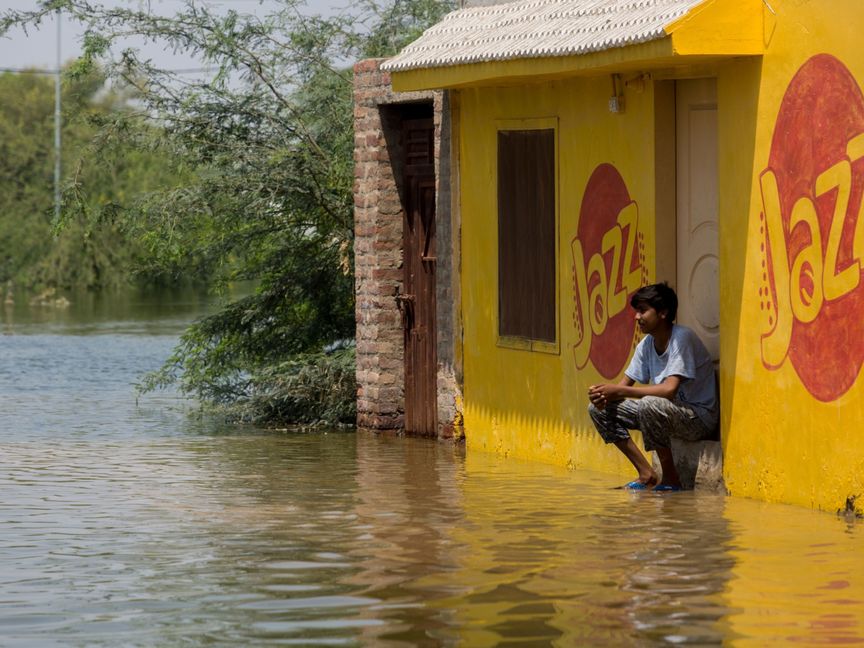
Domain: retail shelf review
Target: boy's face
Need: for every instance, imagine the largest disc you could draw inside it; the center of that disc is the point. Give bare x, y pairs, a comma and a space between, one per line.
648, 319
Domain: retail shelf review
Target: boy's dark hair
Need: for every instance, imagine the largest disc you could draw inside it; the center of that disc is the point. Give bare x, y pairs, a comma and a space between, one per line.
658, 296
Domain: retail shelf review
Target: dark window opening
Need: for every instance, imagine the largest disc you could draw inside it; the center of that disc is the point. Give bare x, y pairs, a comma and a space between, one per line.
526, 234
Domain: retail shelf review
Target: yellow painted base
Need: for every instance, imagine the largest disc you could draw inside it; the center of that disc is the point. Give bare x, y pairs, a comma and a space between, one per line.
544, 441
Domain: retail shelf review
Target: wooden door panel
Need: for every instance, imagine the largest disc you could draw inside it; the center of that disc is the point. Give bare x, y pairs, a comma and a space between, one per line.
419, 289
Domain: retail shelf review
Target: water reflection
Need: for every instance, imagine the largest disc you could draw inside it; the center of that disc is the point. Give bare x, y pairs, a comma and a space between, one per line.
580, 564
319, 539
798, 576
409, 503
145, 311
134, 524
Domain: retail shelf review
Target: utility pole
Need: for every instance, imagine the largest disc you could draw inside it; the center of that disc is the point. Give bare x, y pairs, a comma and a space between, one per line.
57, 125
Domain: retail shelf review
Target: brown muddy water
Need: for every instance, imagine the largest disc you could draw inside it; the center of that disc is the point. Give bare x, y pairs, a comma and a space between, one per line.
143, 524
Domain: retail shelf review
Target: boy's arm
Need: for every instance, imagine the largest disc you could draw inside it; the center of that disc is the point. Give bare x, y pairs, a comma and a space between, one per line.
605, 393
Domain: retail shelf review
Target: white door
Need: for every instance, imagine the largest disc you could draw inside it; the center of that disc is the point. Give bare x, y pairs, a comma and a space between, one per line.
697, 257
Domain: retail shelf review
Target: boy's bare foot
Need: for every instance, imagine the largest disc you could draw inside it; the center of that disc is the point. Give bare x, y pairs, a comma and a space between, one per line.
649, 480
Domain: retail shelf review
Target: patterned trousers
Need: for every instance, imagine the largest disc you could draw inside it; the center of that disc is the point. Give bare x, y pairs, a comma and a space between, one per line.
659, 420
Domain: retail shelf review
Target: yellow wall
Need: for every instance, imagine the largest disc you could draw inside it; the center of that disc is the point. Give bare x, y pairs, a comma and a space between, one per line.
518, 402
786, 438
791, 420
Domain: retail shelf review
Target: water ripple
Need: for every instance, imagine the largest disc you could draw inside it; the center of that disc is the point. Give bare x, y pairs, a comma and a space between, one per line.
134, 524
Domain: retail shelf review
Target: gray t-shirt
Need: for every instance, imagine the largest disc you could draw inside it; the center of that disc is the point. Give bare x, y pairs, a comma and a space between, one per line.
685, 356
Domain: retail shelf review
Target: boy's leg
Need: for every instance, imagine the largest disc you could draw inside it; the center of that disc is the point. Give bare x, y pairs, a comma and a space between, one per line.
613, 423
667, 463
647, 474
661, 420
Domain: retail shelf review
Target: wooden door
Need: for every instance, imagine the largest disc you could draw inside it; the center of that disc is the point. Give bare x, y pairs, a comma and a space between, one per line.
417, 302
698, 258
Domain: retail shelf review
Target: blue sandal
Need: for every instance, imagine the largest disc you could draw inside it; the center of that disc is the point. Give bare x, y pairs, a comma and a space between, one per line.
666, 488
635, 485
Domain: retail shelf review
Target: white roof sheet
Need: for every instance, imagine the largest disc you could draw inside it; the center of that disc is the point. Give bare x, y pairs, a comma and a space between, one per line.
538, 28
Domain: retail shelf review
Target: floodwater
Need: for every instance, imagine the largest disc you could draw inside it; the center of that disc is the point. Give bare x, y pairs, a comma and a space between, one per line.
144, 524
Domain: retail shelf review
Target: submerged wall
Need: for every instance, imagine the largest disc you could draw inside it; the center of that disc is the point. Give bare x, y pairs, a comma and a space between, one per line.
791, 178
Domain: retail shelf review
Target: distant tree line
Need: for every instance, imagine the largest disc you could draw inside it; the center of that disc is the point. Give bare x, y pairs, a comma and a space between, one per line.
35, 251
254, 183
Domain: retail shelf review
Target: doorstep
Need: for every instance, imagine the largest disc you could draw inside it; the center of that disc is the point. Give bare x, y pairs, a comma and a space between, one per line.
699, 464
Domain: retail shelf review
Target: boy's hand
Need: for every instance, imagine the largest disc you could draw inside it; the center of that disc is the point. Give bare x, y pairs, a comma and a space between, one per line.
601, 395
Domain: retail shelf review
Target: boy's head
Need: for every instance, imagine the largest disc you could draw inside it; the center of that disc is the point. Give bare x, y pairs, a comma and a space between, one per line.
658, 296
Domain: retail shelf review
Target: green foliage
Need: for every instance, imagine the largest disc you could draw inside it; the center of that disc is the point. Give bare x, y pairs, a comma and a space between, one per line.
264, 146
308, 389
84, 253
313, 389
399, 23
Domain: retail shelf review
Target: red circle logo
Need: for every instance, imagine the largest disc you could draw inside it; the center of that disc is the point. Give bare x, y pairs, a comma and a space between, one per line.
812, 295
608, 267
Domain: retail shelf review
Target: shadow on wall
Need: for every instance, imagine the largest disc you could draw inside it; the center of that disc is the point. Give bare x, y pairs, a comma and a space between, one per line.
392, 118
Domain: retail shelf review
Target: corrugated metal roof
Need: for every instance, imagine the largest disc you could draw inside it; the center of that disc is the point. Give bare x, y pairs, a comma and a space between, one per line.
535, 28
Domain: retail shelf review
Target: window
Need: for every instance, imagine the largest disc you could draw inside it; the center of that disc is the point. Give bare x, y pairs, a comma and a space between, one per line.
527, 308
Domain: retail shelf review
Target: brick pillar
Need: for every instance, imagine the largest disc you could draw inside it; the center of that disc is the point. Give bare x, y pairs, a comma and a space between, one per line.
378, 223
378, 258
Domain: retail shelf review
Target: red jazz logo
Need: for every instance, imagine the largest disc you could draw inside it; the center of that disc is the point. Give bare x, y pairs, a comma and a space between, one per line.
608, 236
812, 229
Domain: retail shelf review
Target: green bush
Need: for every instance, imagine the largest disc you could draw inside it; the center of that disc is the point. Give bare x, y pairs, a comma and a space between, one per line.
312, 388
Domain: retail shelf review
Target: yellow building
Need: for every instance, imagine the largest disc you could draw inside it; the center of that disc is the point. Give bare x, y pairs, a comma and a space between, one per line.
599, 145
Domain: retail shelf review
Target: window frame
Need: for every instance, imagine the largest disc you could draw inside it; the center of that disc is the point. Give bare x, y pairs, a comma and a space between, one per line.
514, 341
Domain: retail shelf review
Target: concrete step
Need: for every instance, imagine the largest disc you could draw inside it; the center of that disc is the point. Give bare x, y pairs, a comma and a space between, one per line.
699, 464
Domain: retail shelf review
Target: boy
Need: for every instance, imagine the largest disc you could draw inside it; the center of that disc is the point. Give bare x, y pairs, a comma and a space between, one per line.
677, 396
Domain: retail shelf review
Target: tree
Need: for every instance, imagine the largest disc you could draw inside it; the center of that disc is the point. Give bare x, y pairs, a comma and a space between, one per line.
265, 144
32, 252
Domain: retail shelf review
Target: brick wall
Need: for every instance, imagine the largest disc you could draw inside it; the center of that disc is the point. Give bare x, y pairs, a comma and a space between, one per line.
378, 253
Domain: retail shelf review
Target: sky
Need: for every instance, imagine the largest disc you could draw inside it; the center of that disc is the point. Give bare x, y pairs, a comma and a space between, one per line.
39, 48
